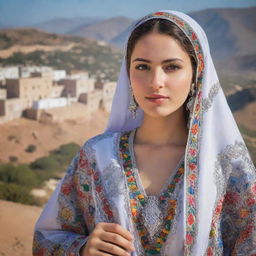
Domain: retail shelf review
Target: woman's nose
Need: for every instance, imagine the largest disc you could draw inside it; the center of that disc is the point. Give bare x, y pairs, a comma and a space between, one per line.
157, 79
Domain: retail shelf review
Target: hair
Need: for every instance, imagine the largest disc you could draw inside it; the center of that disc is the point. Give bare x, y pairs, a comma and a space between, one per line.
161, 26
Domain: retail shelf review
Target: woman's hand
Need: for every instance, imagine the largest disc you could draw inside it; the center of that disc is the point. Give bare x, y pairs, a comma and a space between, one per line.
108, 239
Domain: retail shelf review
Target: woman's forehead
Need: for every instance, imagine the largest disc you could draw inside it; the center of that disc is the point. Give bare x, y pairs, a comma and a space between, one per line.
158, 46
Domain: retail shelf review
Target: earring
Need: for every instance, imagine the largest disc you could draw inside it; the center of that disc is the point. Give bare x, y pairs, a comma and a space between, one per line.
190, 103
132, 104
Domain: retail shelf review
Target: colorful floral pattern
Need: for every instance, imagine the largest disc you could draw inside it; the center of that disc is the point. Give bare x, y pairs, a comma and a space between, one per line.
233, 224
191, 164
136, 198
233, 228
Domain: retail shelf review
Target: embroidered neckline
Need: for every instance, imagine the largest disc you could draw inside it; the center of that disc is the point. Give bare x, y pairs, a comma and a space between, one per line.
137, 198
164, 190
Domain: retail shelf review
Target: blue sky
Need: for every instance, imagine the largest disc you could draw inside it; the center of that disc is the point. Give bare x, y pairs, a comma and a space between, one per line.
25, 12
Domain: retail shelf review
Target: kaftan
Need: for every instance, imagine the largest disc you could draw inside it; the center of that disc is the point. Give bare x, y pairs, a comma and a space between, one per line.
100, 187
95, 189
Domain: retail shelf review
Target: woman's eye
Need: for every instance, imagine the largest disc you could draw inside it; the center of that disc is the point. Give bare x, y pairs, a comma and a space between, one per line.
142, 67
172, 67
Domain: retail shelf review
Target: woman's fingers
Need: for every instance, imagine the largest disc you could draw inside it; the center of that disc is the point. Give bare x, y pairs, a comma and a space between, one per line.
118, 229
117, 239
113, 249
108, 239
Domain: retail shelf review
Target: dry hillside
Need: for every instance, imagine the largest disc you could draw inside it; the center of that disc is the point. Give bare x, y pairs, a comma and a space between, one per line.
16, 135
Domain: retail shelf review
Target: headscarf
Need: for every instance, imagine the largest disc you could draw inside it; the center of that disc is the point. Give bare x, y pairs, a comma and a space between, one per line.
214, 140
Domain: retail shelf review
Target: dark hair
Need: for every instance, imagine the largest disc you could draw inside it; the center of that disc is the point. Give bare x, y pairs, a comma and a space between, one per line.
166, 27
161, 26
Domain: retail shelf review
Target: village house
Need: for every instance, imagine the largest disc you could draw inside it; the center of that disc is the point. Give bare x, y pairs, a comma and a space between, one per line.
9, 72
75, 87
29, 89
51, 96
11, 109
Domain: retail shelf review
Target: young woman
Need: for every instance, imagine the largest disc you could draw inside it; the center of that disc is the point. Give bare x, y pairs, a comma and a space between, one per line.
171, 174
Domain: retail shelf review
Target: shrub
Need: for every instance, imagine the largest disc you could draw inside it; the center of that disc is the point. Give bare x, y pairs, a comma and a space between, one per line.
21, 175
13, 159
16, 193
65, 153
47, 163
30, 148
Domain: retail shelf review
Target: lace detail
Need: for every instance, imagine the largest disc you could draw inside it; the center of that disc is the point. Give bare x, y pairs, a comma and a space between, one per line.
207, 102
233, 225
152, 216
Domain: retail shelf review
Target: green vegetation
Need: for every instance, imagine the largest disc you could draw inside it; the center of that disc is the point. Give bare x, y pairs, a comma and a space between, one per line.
31, 148
57, 162
21, 175
96, 59
16, 181
13, 159
16, 193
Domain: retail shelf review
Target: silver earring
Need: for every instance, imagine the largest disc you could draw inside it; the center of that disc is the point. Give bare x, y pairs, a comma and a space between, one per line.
190, 103
132, 105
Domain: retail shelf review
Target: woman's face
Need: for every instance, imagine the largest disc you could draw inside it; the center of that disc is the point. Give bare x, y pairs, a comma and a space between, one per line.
160, 74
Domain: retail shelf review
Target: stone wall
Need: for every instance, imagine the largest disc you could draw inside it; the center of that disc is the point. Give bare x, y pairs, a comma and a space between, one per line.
108, 94
12, 108
75, 111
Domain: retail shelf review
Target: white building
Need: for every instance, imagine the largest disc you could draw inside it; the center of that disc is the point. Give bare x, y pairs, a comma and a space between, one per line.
26, 71
11, 72
50, 103
59, 74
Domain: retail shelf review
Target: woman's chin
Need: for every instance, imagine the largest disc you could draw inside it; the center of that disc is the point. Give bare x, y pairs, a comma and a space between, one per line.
158, 113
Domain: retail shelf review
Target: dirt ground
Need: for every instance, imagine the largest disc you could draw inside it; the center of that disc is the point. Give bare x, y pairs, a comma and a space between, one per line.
16, 135
17, 224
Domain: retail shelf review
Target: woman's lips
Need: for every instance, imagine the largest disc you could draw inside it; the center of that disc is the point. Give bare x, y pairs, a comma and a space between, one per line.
157, 98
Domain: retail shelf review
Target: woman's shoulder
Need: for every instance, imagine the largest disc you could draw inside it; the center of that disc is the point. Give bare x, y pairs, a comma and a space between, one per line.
100, 139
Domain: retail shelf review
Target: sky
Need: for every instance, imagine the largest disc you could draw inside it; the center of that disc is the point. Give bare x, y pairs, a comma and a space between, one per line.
27, 12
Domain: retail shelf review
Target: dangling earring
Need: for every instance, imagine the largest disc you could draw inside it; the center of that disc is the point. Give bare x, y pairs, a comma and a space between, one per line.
190, 103
132, 105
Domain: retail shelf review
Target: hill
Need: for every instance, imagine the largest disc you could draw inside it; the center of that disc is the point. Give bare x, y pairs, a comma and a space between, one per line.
24, 46
65, 25
230, 31
105, 30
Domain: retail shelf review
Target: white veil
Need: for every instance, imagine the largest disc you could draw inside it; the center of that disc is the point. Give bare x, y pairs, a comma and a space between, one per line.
214, 140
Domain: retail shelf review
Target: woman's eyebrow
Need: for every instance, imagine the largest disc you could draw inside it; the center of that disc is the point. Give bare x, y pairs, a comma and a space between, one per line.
164, 61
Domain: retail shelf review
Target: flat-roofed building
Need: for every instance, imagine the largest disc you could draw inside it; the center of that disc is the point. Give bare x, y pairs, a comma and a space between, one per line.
10, 72
11, 109
75, 87
30, 89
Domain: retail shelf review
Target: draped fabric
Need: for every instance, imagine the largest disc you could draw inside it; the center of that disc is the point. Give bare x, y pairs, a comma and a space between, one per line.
214, 198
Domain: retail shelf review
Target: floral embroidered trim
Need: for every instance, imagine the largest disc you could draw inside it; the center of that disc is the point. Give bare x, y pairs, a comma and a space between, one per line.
192, 149
76, 188
136, 197
207, 102
236, 203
